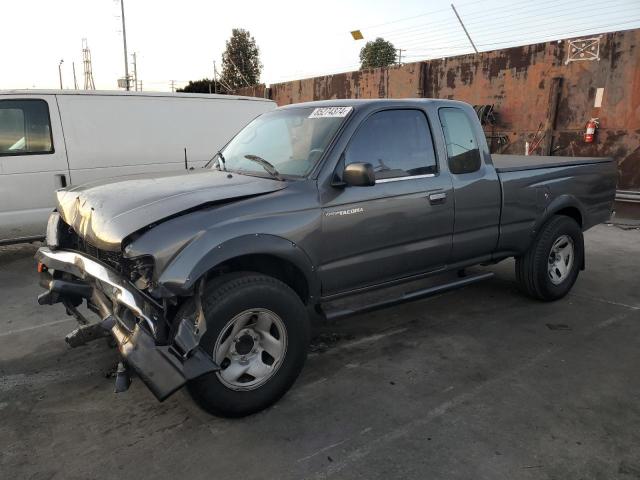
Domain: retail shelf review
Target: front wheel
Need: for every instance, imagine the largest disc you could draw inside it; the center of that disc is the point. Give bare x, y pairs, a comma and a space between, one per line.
258, 332
550, 267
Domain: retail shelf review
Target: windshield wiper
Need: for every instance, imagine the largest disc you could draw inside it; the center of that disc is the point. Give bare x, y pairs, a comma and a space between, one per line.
269, 168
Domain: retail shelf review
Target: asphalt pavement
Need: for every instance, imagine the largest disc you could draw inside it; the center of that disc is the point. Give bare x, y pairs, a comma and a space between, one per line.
479, 383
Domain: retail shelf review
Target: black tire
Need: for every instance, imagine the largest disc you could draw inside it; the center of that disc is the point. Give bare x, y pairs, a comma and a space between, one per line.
228, 296
532, 271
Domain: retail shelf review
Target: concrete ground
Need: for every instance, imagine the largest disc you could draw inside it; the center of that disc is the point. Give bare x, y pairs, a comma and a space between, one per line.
481, 383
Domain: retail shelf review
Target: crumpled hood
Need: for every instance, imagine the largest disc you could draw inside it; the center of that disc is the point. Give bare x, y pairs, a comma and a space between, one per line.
105, 212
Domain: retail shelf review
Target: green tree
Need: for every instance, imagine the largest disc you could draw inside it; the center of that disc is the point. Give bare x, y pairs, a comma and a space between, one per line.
241, 60
200, 86
379, 53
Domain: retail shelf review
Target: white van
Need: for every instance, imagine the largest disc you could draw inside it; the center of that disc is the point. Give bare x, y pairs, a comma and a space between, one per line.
51, 139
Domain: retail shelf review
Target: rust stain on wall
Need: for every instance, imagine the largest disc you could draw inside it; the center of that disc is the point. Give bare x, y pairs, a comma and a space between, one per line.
518, 82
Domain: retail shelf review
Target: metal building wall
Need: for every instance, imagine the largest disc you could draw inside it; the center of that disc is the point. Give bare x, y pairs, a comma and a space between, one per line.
534, 90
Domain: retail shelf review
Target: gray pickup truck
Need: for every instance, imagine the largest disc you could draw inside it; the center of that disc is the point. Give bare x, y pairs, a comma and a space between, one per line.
210, 278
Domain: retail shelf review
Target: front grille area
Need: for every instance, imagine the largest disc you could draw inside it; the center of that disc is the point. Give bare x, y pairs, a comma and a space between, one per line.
115, 260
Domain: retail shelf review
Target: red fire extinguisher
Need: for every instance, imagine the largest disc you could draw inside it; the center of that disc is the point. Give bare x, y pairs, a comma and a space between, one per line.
590, 133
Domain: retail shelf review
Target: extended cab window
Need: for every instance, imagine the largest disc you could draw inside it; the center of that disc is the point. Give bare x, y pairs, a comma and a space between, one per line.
24, 127
396, 142
462, 146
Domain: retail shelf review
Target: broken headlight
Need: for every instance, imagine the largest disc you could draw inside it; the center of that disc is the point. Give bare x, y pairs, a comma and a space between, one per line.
141, 271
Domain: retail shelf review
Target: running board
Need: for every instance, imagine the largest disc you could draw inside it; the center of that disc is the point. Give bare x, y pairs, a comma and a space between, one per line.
408, 297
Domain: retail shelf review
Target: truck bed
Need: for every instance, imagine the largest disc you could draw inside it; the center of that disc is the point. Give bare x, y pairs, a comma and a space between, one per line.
531, 184
516, 163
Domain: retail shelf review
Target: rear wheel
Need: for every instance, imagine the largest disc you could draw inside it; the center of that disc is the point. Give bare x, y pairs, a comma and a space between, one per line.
258, 332
550, 267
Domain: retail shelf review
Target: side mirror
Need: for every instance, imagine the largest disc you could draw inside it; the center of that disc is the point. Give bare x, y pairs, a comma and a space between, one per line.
359, 175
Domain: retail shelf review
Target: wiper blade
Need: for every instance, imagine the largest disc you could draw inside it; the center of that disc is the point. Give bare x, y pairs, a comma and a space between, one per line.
270, 169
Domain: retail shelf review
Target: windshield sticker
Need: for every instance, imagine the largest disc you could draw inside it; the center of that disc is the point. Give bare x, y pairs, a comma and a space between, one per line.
330, 112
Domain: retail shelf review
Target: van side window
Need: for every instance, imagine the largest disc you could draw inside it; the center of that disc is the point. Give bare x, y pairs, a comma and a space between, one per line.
396, 142
25, 127
462, 146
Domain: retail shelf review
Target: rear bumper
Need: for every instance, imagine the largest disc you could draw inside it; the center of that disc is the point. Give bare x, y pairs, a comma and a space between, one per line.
161, 367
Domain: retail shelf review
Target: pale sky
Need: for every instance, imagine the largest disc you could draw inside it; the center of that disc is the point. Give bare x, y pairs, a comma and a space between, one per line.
179, 40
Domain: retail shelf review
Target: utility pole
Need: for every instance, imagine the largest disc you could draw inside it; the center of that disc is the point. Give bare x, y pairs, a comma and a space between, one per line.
239, 71
464, 28
126, 57
75, 82
173, 85
135, 71
215, 74
60, 73
86, 61
400, 50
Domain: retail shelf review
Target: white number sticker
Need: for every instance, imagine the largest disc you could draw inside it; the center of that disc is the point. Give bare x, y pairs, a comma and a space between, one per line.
330, 112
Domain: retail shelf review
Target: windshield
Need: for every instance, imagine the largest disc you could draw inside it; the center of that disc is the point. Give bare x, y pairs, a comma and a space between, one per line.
291, 141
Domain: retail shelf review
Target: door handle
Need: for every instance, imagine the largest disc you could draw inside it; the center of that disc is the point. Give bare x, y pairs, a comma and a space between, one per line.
61, 180
437, 198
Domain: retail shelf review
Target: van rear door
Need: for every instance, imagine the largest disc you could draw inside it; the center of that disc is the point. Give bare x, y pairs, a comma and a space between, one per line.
33, 164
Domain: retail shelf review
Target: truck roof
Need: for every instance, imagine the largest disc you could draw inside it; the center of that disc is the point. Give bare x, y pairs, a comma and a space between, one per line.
117, 93
374, 102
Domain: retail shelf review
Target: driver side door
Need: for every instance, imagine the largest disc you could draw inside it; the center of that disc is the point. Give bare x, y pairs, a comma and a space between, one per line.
399, 227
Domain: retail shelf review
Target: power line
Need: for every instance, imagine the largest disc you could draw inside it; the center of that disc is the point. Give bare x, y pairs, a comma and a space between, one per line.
556, 36
412, 17
421, 39
412, 38
599, 29
492, 27
471, 16
561, 33
591, 12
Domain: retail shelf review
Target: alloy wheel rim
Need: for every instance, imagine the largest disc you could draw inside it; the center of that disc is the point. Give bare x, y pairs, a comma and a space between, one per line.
250, 349
561, 258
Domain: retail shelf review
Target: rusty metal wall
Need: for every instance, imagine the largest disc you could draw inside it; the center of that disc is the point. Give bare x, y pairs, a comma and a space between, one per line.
519, 82
536, 93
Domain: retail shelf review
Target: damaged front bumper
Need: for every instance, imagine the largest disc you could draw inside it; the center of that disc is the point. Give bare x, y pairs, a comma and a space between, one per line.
134, 320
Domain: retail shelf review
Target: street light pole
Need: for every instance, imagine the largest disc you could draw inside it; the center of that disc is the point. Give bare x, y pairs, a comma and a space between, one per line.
126, 57
60, 72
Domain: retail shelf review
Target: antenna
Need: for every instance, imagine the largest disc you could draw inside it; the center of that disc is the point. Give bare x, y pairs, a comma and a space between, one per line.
86, 61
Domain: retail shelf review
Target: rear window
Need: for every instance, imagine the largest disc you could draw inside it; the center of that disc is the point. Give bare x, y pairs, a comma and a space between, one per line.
25, 127
462, 146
